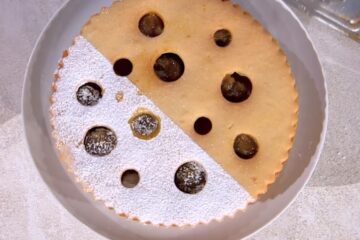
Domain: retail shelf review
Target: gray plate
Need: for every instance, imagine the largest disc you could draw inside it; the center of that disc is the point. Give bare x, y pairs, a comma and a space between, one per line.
278, 19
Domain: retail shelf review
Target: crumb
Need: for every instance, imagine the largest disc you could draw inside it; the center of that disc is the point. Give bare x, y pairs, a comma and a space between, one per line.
65, 53
119, 96
57, 76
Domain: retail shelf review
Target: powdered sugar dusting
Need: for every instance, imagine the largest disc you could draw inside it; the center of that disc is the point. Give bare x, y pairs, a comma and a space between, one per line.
156, 198
144, 125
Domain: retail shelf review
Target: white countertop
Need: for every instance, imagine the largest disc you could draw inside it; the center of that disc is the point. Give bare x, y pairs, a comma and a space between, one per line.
328, 208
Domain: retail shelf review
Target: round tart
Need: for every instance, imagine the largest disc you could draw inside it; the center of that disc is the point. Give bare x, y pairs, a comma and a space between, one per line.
174, 112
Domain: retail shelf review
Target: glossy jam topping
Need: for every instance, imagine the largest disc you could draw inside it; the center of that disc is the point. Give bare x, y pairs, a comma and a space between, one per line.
169, 67
245, 146
151, 25
236, 88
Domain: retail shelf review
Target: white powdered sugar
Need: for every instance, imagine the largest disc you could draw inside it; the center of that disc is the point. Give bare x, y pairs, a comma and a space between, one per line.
156, 198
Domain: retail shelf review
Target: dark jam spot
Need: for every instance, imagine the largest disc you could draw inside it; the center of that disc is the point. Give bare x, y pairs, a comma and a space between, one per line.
145, 125
89, 94
222, 37
202, 125
169, 67
100, 141
130, 178
123, 67
190, 177
245, 146
236, 88
151, 25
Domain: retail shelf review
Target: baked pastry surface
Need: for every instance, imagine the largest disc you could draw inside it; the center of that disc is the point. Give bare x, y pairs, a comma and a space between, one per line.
99, 117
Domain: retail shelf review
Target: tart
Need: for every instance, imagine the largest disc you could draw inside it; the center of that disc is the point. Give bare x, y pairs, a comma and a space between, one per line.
176, 112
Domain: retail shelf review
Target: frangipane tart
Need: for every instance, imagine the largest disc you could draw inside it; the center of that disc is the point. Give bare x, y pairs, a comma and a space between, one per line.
176, 112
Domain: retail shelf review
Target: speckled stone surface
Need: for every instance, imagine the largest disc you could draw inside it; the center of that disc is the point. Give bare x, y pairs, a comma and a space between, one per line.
328, 208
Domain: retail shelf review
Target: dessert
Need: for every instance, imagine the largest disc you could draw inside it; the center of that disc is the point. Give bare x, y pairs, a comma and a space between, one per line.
176, 112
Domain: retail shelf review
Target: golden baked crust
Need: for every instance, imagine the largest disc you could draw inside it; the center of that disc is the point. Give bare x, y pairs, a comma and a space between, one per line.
270, 114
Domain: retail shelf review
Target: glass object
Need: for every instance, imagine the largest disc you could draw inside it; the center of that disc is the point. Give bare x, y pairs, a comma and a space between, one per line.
342, 14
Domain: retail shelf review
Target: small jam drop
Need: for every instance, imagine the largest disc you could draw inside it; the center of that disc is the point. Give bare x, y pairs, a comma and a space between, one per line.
89, 94
130, 178
151, 25
169, 67
202, 125
145, 125
245, 146
190, 177
222, 37
123, 67
236, 88
100, 141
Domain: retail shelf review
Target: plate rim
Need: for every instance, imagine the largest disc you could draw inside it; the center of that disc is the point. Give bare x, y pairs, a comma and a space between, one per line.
315, 156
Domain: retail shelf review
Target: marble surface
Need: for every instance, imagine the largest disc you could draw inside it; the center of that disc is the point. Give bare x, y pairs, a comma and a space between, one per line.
328, 208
